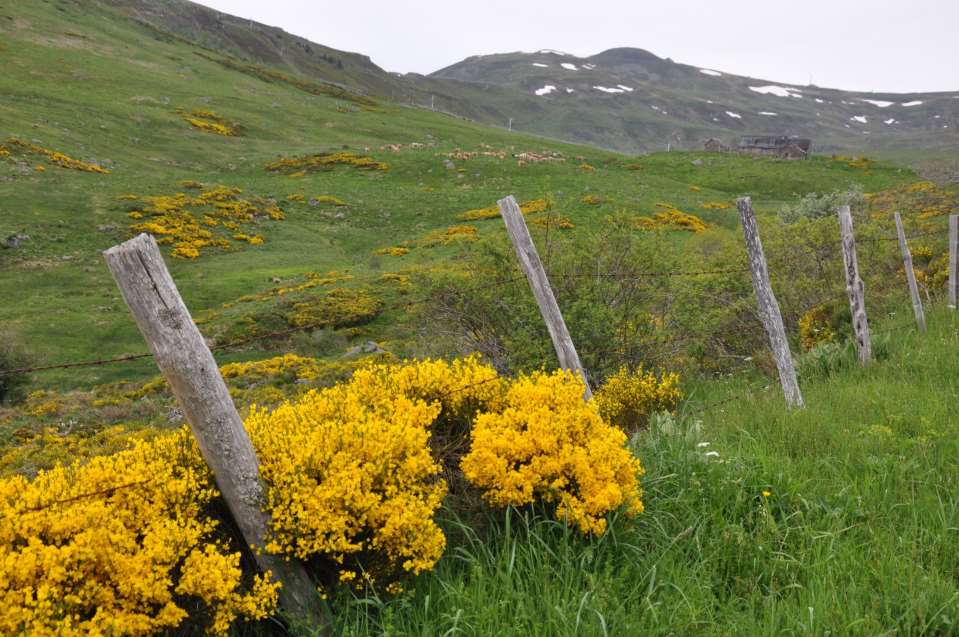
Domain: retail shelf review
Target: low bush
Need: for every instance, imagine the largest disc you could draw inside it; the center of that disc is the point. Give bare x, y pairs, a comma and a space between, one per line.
628, 398
549, 445
121, 545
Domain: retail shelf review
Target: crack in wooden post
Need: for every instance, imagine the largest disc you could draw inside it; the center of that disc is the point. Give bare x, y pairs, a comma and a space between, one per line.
192, 373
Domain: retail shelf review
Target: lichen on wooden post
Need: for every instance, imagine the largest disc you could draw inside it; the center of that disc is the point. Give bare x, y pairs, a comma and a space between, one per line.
188, 366
855, 289
769, 312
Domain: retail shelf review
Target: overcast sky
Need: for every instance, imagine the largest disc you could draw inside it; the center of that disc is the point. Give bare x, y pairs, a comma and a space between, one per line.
863, 45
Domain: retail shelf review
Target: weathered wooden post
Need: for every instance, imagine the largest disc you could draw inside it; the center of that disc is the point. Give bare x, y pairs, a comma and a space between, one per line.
769, 312
855, 288
953, 257
910, 275
188, 366
533, 269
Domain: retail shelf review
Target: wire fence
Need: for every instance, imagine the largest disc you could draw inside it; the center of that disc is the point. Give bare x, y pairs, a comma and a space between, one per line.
623, 276
688, 409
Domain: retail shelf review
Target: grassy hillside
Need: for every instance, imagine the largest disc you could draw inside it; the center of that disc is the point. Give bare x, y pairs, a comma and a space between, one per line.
103, 90
663, 102
312, 230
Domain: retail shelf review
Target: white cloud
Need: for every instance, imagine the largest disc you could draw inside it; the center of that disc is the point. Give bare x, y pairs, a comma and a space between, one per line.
546, 90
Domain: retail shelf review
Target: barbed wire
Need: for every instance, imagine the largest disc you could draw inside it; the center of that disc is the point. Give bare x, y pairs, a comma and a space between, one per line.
627, 276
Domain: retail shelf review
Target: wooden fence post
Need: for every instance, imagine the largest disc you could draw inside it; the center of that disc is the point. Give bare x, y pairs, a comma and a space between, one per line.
910, 276
188, 366
533, 269
855, 288
769, 311
953, 257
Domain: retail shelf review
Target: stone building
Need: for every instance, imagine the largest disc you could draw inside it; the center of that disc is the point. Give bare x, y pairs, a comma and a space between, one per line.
776, 146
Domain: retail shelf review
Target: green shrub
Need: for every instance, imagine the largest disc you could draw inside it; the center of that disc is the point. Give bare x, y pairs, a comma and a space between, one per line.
816, 206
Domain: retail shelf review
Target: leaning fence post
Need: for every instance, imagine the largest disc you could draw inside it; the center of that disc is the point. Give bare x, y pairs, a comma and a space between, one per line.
910, 275
769, 312
953, 257
188, 366
855, 288
536, 275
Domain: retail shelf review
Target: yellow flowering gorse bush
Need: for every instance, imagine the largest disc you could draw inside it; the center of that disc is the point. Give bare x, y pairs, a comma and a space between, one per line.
671, 218
628, 398
815, 327
490, 212
295, 166
52, 156
208, 220
446, 236
120, 546
548, 444
351, 477
211, 122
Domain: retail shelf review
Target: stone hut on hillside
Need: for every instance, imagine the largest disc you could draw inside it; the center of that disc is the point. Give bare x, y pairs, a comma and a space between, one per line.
713, 145
776, 146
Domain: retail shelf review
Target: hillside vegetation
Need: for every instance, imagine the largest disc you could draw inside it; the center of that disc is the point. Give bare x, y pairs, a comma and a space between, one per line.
344, 258
626, 99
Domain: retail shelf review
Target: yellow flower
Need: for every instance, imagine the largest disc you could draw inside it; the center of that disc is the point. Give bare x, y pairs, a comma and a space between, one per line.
550, 445
120, 545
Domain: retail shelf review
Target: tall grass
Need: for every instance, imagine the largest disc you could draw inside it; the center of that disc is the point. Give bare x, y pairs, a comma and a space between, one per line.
840, 519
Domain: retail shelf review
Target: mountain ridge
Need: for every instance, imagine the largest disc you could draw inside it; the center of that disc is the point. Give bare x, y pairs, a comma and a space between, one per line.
623, 98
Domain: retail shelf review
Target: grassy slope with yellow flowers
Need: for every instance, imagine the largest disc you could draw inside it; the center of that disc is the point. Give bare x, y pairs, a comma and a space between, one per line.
856, 534
105, 91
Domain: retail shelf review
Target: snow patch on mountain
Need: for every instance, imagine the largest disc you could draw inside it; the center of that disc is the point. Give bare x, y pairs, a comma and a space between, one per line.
778, 91
606, 89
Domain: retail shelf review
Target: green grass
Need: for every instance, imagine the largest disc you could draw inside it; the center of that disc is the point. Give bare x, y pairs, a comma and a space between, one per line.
859, 534
85, 82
